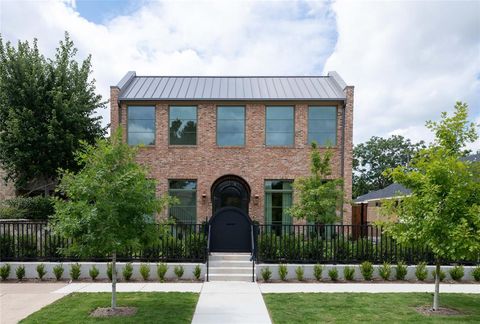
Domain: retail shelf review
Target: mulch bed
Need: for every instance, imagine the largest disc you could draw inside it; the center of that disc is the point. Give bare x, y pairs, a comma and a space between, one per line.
441, 311
117, 311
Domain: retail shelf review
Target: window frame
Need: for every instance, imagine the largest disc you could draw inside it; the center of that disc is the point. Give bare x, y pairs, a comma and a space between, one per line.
336, 125
244, 126
183, 190
293, 130
196, 126
154, 124
281, 191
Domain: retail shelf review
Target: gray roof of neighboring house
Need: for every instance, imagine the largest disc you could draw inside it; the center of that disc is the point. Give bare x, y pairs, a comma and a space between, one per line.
472, 158
133, 87
392, 190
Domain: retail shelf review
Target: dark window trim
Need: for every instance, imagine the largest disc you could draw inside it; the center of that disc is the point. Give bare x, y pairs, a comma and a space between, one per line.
184, 190
244, 126
168, 127
336, 126
265, 127
154, 125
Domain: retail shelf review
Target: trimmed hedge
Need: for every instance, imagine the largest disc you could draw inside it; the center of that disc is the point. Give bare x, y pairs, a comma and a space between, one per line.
27, 208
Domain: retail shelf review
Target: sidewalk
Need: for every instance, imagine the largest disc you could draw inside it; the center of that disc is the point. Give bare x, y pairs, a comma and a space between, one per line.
195, 287
231, 302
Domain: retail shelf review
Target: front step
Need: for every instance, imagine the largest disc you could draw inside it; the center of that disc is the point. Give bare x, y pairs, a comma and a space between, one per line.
230, 267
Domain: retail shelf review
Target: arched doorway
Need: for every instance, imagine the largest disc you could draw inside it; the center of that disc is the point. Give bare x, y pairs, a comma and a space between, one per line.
230, 224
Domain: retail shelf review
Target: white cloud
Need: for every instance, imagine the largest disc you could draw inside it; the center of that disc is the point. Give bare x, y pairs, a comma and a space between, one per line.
409, 61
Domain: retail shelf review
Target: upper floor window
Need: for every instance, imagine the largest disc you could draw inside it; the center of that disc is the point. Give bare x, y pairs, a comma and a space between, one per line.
185, 191
141, 125
279, 126
231, 126
183, 125
322, 125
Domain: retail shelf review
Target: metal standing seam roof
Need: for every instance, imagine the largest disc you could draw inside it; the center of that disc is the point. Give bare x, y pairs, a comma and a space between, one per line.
133, 87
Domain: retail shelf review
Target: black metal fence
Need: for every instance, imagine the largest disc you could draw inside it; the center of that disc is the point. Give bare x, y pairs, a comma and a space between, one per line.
34, 241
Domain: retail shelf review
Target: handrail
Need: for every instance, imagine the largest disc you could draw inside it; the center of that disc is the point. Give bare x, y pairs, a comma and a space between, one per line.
208, 250
253, 256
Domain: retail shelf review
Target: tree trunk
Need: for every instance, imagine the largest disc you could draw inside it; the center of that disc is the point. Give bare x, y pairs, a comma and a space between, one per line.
437, 286
114, 280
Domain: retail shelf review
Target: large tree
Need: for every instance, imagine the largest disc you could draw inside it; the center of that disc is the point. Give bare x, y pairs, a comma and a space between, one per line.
372, 158
110, 203
443, 210
46, 109
318, 197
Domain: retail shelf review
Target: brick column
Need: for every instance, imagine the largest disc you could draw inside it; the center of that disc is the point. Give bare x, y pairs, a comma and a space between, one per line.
348, 156
114, 112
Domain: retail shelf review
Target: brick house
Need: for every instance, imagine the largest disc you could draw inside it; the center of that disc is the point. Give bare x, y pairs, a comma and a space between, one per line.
230, 147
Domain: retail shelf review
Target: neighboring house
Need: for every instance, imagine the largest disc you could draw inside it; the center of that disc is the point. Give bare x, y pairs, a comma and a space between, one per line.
230, 147
366, 208
7, 189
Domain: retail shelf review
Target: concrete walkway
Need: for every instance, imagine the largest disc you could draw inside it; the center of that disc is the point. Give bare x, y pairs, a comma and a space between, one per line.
230, 302
195, 287
18, 300
366, 288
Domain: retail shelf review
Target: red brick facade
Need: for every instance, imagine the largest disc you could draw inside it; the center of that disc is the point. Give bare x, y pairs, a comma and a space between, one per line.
254, 162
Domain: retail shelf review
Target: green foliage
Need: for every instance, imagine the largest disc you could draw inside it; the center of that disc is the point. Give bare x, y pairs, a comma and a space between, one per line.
111, 202
37, 207
109, 271
385, 271
366, 268
46, 110
282, 272
299, 272
443, 211
20, 272
58, 271
372, 158
333, 274
127, 271
5, 271
457, 272
162, 271
317, 271
421, 271
442, 274
145, 271
476, 273
348, 273
401, 271
266, 274
197, 271
75, 271
317, 198
93, 272
41, 271
178, 270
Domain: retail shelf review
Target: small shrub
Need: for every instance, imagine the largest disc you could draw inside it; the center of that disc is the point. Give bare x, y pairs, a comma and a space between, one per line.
442, 274
299, 272
266, 274
282, 272
162, 271
421, 271
317, 271
385, 271
476, 273
366, 268
197, 272
5, 271
58, 271
127, 271
401, 271
333, 274
457, 273
348, 273
145, 271
93, 272
75, 271
41, 271
178, 270
109, 271
20, 272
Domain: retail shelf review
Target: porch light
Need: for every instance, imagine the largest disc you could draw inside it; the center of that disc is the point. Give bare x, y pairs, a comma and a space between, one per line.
256, 198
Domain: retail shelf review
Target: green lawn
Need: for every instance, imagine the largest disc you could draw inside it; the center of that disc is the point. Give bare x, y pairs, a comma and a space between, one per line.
152, 308
360, 307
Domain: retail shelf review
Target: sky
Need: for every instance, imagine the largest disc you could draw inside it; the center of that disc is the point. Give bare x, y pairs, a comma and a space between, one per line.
408, 60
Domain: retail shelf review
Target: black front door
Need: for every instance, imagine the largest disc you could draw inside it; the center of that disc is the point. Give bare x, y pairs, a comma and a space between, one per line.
230, 231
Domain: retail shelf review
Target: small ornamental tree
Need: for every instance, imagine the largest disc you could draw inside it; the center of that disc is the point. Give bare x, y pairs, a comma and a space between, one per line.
443, 210
317, 196
110, 203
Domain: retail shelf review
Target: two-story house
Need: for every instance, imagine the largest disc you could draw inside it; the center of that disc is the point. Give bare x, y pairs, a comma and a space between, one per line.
230, 147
